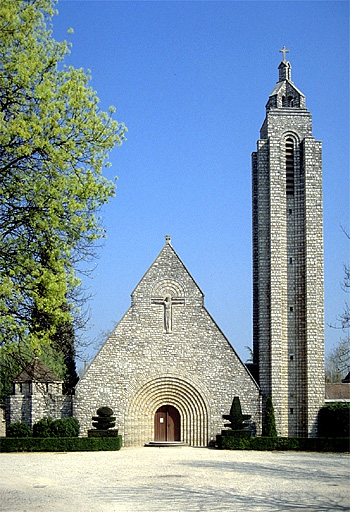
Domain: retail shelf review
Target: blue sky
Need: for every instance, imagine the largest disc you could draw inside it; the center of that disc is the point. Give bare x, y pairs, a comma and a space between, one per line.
190, 80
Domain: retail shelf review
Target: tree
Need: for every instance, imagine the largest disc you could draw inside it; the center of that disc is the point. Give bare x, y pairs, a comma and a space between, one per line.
54, 144
236, 418
338, 359
269, 426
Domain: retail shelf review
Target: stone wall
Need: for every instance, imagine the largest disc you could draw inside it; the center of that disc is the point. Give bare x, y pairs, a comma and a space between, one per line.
288, 266
32, 408
151, 360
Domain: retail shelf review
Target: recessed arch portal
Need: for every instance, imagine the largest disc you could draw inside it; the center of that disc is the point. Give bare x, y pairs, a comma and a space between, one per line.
167, 391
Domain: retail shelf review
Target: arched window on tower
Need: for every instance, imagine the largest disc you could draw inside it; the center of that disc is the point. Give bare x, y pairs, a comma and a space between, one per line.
290, 101
289, 167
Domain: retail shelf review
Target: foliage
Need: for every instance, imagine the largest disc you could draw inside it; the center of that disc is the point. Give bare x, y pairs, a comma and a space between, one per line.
62, 427
236, 418
338, 359
65, 427
105, 411
12, 364
43, 428
307, 444
19, 429
104, 419
333, 420
54, 143
60, 444
250, 358
269, 426
102, 433
63, 345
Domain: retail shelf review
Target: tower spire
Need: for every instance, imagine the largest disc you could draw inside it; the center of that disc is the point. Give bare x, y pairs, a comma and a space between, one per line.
285, 69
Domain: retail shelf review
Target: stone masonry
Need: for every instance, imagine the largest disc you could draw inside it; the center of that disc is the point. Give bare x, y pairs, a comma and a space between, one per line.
167, 350
288, 260
167, 361
37, 393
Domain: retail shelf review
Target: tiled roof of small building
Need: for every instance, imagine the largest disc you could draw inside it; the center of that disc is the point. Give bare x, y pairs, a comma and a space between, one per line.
338, 391
37, 371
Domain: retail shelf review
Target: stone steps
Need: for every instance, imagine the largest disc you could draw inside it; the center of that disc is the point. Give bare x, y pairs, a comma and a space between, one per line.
166, 444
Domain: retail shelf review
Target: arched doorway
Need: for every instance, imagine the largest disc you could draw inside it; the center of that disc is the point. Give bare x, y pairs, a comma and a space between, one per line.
167, 424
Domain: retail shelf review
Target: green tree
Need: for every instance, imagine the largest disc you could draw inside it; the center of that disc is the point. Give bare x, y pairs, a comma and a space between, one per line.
54, 143
269, 425
236, 418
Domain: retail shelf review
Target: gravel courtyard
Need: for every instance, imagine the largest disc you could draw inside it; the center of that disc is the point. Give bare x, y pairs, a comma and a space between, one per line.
174, 479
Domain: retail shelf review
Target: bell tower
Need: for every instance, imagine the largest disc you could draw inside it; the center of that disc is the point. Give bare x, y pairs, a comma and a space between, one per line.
288, 323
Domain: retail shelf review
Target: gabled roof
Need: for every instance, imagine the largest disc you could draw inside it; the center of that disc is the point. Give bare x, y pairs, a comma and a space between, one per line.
338, 391
279, 85
347, 378
169, 253
37, 371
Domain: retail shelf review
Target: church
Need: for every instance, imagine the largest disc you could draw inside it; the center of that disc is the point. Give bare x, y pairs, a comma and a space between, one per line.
167, 370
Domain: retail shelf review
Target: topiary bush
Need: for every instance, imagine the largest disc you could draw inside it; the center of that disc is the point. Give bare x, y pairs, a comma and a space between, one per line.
104, 419
236, 418
269, 426
19, 429
43, 427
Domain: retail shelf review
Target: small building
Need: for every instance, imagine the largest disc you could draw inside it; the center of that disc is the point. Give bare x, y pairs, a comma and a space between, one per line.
37, 393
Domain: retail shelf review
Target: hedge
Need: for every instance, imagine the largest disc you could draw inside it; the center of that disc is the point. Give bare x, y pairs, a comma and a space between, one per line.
307, 444
59, 444
334, 420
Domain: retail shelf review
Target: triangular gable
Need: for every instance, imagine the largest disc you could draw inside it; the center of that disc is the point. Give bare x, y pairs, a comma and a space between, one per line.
167, 264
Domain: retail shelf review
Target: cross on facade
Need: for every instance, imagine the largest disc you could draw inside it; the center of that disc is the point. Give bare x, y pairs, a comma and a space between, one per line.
284, 51
168, 302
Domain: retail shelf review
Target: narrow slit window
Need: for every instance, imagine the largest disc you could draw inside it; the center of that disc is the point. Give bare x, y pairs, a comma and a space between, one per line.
289, 167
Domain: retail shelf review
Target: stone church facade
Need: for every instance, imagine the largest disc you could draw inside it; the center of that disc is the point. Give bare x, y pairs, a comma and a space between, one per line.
167, 370
167, 353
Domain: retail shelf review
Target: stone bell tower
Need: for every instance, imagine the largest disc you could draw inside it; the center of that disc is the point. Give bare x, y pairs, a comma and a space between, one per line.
288, 324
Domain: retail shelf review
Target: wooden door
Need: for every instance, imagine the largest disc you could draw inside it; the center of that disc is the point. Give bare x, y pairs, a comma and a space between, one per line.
167, 424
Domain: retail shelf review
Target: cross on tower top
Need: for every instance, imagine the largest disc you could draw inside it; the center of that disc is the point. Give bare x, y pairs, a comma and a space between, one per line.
284, 51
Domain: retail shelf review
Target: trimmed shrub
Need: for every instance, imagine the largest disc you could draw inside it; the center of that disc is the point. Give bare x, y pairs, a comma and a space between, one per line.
62, 427
236, 418
242, 434
43, 428
269, 426
104, 419
19, 429
103, 433
65, 427
60, 444
333, 420
105, 411
312, 444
